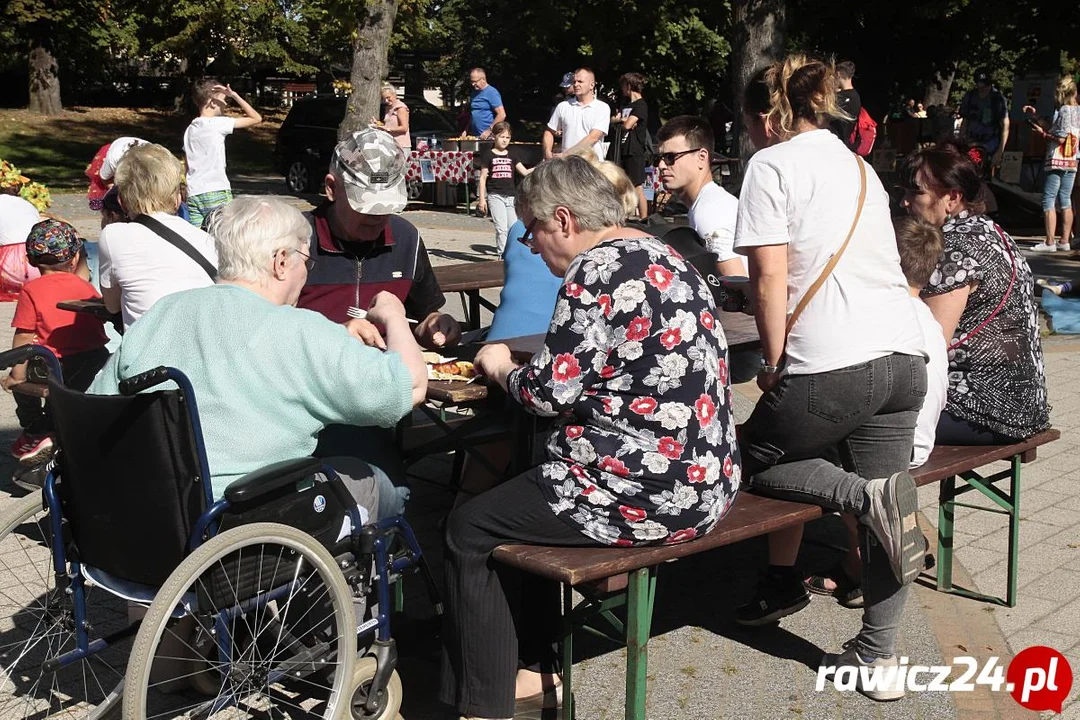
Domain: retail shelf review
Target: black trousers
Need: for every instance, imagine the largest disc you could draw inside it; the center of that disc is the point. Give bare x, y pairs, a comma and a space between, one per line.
499, 619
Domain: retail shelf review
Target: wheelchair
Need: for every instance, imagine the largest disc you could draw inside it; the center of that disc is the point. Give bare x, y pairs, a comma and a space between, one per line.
130, 588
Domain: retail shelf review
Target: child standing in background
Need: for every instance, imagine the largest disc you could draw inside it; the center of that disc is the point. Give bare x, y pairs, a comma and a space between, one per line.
496, 188
208, 185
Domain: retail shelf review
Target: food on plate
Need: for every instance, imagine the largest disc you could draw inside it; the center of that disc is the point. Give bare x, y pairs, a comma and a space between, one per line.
456, 370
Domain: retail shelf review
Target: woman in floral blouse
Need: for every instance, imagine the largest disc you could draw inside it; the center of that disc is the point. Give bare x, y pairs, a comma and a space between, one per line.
982, 295
635, 367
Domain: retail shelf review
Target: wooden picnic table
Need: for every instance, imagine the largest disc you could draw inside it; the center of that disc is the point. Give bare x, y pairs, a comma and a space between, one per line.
469, 279
740, 330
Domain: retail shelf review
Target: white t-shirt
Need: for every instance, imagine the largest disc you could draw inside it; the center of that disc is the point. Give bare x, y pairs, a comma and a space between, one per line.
575, 121
937, 383
146, 267
204, 147
803, 193
713, 216
17, 216
117, 149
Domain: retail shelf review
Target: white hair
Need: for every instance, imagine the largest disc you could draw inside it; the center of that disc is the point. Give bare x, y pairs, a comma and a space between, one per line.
571, 182
250, 230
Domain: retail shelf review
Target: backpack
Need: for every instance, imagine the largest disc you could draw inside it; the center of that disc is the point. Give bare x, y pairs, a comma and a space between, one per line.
650, 149
864, 134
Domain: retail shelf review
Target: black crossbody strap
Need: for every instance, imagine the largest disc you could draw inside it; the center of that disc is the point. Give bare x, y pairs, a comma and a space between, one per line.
177, 240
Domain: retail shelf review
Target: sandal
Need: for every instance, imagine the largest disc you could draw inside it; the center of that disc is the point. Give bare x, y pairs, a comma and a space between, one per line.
847, 592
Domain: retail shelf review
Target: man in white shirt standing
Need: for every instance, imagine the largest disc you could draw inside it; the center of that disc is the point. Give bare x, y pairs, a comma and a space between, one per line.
685, 145
583, 120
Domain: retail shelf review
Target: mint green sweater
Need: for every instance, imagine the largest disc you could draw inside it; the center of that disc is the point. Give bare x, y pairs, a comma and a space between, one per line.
267, 377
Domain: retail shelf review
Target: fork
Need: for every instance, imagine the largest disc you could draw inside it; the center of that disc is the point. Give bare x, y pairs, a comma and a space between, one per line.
355, 312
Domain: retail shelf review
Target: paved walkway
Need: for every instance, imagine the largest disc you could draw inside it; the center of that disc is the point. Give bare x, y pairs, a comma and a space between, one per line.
701, 664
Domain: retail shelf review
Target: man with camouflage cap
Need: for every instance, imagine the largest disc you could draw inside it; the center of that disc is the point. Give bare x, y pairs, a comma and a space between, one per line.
362, 245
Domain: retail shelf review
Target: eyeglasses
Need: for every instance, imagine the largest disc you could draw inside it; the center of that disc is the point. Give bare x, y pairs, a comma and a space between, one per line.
527, 238
669, 158
309, 261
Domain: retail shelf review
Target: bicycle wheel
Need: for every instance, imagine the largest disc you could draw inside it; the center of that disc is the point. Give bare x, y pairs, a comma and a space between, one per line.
390, 703
37, 621
247, 626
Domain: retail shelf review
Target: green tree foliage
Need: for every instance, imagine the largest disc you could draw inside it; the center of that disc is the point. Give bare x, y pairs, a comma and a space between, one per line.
525, 48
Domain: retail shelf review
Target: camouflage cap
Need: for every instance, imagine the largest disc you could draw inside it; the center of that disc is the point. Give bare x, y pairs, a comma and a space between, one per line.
372, 166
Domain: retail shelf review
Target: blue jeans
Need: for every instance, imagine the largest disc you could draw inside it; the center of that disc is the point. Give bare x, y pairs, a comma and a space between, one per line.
503, 215
1058, 187
866, 413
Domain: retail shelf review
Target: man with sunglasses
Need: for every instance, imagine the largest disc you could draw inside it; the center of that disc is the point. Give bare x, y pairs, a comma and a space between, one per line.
685, 164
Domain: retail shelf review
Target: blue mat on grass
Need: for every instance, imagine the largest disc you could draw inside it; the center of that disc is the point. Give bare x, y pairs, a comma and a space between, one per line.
1064, 313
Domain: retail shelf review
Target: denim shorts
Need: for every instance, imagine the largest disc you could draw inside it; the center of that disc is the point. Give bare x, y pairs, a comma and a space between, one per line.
1059, 187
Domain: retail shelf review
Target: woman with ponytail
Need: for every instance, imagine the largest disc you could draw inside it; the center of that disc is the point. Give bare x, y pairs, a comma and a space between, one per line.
844, 371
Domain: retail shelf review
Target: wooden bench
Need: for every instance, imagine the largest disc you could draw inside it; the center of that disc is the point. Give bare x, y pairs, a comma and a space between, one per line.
608, 578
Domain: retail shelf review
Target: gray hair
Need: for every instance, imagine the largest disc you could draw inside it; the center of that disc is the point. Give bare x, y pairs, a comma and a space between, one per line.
573, 183
250, 230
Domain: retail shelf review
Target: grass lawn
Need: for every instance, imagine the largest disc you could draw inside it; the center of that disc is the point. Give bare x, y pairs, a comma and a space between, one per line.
56, 150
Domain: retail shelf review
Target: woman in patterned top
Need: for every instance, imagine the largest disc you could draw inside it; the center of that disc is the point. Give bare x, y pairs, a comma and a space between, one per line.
634, 365
982, 295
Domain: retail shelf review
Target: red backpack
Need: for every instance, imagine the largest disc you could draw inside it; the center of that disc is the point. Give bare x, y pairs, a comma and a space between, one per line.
864, 134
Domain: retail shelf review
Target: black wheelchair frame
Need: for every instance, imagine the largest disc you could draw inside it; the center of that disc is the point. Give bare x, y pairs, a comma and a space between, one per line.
390, 542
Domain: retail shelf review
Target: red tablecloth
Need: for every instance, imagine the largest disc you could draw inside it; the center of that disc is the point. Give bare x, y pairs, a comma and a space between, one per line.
450, 166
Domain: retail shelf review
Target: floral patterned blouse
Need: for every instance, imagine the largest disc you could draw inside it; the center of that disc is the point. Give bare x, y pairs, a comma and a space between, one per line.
635, 361
996, 375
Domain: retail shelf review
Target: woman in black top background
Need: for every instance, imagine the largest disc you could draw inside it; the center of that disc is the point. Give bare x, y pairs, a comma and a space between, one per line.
633, 120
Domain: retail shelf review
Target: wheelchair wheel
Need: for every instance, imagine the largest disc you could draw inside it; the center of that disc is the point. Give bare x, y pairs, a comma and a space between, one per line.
247, 626
391, 702
37, 624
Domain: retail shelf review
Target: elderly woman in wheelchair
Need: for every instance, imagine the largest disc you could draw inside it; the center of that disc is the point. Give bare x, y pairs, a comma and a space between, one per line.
183, 492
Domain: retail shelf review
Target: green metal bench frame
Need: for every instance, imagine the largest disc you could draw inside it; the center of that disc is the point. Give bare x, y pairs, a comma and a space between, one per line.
594, 614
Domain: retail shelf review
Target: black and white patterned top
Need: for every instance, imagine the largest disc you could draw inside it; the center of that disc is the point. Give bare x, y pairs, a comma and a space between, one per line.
996, 376
635, 361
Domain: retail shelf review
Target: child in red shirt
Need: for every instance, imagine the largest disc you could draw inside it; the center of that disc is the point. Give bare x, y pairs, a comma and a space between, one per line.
77, 339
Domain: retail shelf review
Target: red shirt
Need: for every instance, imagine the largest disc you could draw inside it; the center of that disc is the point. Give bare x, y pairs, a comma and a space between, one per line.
62, 331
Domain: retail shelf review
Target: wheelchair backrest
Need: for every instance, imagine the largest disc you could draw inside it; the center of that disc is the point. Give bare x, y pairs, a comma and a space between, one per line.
130, 483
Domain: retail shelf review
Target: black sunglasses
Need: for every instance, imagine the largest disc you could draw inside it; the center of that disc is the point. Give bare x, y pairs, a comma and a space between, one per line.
527, 238
669, 158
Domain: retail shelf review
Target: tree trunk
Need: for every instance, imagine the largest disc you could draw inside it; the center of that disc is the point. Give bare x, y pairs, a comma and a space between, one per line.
369, 67
44, 81
758, 41
938, 88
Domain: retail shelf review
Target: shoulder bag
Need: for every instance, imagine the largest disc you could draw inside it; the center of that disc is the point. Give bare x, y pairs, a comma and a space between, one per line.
177, 240
831, 265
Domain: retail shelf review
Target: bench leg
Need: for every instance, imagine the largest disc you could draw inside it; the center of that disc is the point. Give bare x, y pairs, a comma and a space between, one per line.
568, 652
946, 496
640, 595
1014, 531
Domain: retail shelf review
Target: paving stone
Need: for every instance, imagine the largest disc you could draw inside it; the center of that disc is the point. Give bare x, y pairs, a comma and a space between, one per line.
1012, 620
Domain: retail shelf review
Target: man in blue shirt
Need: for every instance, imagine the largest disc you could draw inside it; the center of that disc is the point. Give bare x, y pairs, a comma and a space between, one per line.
486, 105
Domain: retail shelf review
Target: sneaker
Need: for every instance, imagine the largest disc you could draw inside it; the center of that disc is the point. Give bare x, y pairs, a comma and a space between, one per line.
893, 504
780, 594
1064, 246
1044, 248
876, 681
21, 443
36, 448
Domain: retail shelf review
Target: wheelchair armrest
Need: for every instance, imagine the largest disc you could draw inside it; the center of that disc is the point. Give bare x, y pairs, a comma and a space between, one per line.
270, 478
